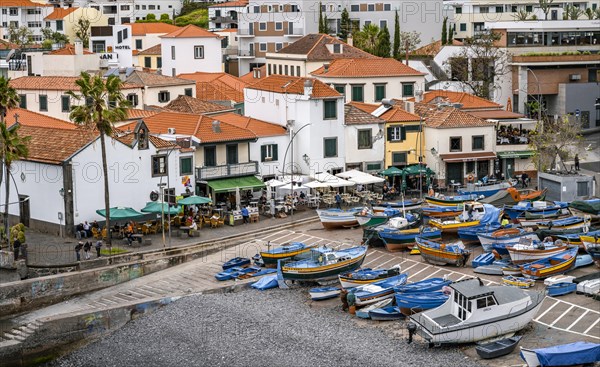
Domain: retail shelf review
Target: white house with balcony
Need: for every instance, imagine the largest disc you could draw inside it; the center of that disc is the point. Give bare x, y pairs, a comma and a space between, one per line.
24, 13
365, 140
191, 49
313, 113
113, 44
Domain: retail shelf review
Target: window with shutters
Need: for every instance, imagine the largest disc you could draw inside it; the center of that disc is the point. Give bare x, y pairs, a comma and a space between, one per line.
396, 133
188, 92
399, 158
379, 92
478, 142
173, 53
358, 93
23, 101
330, 109
133, 99
210, 156
329, 147
185, 166
340, 88
138, 44
147, 62
159, 62
65, 102
164, 96
43, 103
198, 52
365, 140
232, 153
408, 89
159, 165
456, 144
374, 166
268, 152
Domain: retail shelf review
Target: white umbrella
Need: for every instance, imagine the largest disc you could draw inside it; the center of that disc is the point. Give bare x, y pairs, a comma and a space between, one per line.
274, 183
360, 177
330, 180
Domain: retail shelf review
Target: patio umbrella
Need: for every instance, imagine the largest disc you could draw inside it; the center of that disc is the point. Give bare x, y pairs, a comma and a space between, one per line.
392, 171
403, 187
414, 170
121, 213
157, 208
193, 200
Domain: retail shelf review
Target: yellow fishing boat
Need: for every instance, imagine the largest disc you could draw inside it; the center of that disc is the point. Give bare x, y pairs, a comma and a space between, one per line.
473, 214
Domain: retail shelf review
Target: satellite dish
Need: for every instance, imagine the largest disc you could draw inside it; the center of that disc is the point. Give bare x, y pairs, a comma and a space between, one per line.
10, 54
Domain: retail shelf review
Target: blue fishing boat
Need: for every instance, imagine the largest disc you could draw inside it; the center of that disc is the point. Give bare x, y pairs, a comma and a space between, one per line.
323, 263
404, 239
338, 218
556, 264
499, 249
236, 261
422, 286
364, 276
267, 282
323, 293
486, 258
540, 208
485, 189
575, 238
410, 303
264, 272
378, 291
388, 313
286, 250
398, 205
442, 211
562, 355
565, 223
450, 200
245, 273
560, 289
505, 236
583, 260
469, 234
230, 273
364, 313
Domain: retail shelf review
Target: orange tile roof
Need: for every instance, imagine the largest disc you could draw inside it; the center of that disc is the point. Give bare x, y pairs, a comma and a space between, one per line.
433, 48
142, 29
193, 105
217, 86
190, 31
230, 4
249, 77
495, 114
62, 83
467, 100
4, 45
294, 85
135, 113
30, 118
199, 126
60, 13
360, 68
22, 4
258, 127
54, 146
128, 138
68, 50
355, 116
448, 117
154, 50
394, 114
316, 48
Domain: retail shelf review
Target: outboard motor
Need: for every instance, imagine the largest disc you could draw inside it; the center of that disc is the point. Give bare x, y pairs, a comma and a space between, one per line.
412, 329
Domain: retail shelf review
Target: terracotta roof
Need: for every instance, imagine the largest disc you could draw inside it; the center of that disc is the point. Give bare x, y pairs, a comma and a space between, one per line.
294, 85
230, 4
467, 100
314, 46
154, 50
30, 118
249, 77
60, 13
190, 31
355, 116
142, 29
62, 83
448, 117
4, 45
394, 114
68, 50
361, 68
193, 105
495, 114
199, 126
54, 146
433, 48
22, 4
135, 113
128, 137
258, 127
217, 86
155, 80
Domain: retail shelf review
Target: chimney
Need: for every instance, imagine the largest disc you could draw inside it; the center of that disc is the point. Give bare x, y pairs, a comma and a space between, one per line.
216, 126
308, 88
326, 67
78, 47
350, 41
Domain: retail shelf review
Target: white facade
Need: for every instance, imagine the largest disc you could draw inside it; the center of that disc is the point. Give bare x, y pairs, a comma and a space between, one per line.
189, 55
114, 45
154, 96
270, 167
31, 17
356, 156
223, 17
45, 64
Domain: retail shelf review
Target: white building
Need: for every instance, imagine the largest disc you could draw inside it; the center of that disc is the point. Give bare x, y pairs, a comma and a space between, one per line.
24, 13
365, 140
371, 80
191, 49
157, 90
61, 183
312, 111
113, 44
147, 35
225, 15
70, 60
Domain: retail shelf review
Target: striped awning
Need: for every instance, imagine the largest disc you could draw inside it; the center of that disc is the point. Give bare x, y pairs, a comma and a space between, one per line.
468, 157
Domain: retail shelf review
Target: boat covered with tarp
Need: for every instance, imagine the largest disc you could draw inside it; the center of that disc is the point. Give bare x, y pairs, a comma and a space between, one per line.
562, 355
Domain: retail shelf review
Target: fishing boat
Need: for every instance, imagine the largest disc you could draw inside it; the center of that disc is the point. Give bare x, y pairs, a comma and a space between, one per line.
378, 291
505, 236
366, 276
583, 260
367, 218
566, 223
228, 274
246, 273
595, 254
267, 282
323, 293
284, 251
521, 253
528, 221
560, 289
405, 239
470, 234
511, 269
484, 189
473, 214
589, 287
411, 303
520, 282
364, 313
443, 254
562, 355
556, 264
388, 313
561, 278
526, 194
423, 286
489, 270
442, 211
575, 238
590, 240
338, 218
533, 209
371, 235
487, 258
236, 262
498, 348
475, 312
324, 263
398, 205
589, 207
450, 200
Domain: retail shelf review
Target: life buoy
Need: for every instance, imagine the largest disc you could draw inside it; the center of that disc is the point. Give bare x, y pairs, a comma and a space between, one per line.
470, 177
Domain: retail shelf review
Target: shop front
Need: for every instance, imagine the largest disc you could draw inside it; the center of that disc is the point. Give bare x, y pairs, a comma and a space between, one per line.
513, 163
460, 166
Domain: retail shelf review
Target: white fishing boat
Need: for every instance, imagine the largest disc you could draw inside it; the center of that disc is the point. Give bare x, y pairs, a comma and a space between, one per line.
337, 218
521, 253
505, 237
476, 312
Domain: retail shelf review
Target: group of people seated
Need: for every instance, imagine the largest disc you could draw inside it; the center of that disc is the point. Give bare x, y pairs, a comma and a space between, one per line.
513, 135
84, 230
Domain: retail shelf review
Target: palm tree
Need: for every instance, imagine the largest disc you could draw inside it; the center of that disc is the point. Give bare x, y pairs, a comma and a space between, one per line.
366, 39
14, 147
103, 105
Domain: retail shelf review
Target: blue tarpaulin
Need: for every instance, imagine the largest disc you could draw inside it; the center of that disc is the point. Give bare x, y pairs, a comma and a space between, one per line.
569, 354
266, 282
491, 216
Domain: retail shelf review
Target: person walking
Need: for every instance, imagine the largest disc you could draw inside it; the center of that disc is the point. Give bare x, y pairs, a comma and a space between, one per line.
245, 215
98, 247
338, 201
17, 248
86, 250
576, 162
78, 248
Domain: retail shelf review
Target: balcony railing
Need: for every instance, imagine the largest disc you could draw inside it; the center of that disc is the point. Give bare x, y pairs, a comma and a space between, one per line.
227, 170
246, 53
245, 32
511, 140
294, 32
17, 65
222, 19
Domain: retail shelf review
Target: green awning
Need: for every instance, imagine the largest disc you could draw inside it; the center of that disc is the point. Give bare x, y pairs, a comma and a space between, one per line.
230, 184
519, 154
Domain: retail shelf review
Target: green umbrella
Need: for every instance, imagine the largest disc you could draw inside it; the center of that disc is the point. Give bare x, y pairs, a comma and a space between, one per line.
120, 213
403, 181
194, 200
392, 171
415, 170
157, 208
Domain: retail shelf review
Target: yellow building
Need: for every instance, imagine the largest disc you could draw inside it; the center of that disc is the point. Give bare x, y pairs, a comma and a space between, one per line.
150, 58
64, 20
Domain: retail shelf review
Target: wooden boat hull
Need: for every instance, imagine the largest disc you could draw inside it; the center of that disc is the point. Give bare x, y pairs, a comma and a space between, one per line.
371, 220
518, 282
561, 289
537, 270
452, 226
442, 211
405, 239
389, 313
485, 190
450, 200
441, 257
567, 223
270, 259
410, 303
589, 241
383, 290
498, 348
321, 294
379, 207
488, 241
346, 281
572, 354
322, 272
527, 256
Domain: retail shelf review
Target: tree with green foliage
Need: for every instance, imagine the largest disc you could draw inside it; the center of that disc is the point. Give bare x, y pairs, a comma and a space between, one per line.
165, 18
552, 139
367, 38
9, 99
589, 13
453, 32
384, 47
545, 5
51, 38
345, 25
521, 15
151, 18
20, 36
444, 31
449, 36
82, 31
396, 48
104, 106
572, 12
321, 20
409, 42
